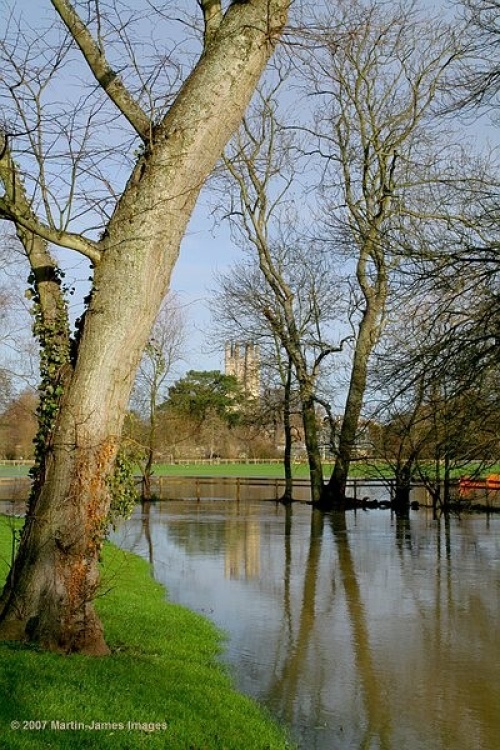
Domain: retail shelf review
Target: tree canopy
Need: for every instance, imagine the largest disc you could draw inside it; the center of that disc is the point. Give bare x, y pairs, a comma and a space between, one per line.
201, 394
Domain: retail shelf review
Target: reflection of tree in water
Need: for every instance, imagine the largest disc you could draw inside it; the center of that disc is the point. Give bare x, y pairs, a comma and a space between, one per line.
146, 528
403, 532
285, 688
454, 627
287, 601
377, 712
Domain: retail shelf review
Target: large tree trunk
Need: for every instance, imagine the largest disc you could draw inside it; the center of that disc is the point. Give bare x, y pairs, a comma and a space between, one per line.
375, 294
287, 426
402, 489
312, 447
48, 597
49, 593
334, 493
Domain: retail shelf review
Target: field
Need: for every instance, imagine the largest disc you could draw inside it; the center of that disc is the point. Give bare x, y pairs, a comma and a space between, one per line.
225, 468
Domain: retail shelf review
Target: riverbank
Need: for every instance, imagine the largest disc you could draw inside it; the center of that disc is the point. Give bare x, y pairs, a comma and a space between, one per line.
162, 686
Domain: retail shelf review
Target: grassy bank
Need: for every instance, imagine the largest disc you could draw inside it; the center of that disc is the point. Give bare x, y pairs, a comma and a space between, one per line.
163, 676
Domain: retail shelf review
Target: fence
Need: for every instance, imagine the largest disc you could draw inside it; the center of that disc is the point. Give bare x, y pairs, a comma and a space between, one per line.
264, 488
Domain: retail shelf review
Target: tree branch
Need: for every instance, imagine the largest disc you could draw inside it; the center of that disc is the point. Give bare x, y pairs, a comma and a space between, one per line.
326, 351
107, 78
212, 16
14, 206
57, 237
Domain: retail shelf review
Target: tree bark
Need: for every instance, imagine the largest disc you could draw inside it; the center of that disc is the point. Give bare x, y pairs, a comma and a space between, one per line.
287, 426
147, 472
49, 595
312, 448
334, 493
375, 294
402, 490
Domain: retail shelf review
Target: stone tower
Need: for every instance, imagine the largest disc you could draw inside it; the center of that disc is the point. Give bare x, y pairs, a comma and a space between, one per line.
243, 361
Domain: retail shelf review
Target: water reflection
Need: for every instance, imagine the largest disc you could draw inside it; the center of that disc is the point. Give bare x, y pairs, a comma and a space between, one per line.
378, 718
295, 643
360, 631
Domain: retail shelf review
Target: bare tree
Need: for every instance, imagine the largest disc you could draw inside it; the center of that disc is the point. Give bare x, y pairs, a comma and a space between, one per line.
48, 597
377, 82
294, 283
163, 352
241, 299
477, 82
437, 404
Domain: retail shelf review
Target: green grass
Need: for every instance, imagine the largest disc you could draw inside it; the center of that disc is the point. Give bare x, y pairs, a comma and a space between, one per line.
228, 470
163, 668
359, 470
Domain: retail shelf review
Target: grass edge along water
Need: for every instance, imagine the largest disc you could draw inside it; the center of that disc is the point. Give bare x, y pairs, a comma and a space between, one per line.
163, 686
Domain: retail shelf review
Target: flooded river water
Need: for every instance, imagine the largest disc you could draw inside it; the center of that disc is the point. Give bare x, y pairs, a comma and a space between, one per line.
358, 631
